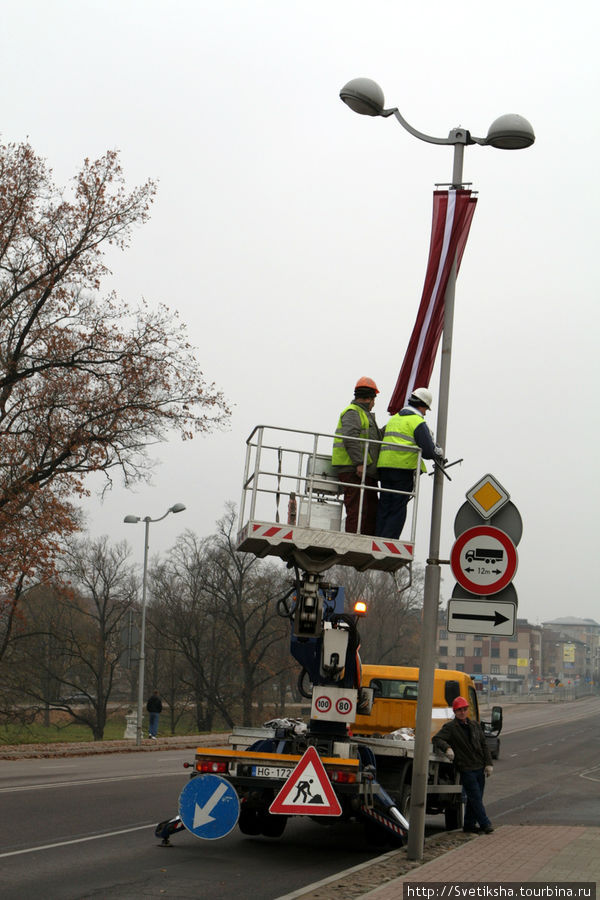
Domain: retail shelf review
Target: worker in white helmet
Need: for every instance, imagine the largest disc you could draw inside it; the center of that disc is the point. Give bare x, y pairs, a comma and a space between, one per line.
405, 432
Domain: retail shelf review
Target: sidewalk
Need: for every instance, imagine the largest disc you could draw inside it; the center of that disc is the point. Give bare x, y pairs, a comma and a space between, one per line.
513, 853
92, 748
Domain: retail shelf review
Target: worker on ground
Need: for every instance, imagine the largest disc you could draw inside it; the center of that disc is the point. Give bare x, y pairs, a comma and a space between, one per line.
357, 420
398, 461
463, 742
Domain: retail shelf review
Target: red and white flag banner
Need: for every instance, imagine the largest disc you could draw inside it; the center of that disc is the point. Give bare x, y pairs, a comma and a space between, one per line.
452, 215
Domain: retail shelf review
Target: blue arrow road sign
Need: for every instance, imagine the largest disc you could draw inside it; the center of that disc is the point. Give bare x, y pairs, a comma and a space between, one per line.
209, 807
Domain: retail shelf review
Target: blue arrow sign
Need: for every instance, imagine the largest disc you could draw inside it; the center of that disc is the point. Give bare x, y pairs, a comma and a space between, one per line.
209, 807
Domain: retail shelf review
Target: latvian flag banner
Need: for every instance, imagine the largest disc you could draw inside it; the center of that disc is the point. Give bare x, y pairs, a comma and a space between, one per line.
452, 214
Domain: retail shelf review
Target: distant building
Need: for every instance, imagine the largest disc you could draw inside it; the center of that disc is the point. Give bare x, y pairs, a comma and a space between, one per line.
567, 650
571, 649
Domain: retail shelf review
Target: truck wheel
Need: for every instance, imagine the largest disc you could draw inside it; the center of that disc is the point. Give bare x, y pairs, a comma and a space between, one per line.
249, 821
453, 817
272, 826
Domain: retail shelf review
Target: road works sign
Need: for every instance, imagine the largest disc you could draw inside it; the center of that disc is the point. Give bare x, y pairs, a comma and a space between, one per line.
482, 617
209, 807
308, 790
483, 560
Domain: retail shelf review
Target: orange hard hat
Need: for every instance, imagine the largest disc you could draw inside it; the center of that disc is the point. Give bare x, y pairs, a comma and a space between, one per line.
365, 382
459, 703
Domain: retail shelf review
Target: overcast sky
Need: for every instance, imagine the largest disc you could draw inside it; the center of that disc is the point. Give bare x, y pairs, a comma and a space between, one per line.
292, 235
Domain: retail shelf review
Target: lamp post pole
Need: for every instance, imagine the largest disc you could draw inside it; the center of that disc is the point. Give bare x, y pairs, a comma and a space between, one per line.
178, 507
509, 132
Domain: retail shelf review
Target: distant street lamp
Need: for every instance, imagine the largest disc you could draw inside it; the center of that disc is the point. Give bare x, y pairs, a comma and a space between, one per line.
509, 132
132, 520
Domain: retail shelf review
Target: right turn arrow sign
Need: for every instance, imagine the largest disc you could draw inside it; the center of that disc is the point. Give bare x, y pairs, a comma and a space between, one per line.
481, 617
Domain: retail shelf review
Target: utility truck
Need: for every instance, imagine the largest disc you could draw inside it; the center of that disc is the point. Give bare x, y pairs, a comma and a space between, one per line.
354, 756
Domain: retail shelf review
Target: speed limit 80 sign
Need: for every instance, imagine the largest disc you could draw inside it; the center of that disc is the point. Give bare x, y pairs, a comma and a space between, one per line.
334, 704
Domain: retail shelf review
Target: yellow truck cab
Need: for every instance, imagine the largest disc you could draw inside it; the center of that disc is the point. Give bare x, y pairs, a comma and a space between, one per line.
395, 692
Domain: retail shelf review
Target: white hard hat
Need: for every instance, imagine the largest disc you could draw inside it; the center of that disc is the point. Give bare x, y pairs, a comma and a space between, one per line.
424, 395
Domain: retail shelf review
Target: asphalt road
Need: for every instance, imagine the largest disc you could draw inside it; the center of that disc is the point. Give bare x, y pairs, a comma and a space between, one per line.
83, 827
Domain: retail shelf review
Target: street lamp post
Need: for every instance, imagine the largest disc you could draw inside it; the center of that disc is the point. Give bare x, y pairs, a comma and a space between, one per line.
131, 520
509, 132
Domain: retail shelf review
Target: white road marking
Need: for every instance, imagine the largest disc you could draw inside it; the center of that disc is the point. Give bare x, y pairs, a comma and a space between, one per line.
58, 784
92, 837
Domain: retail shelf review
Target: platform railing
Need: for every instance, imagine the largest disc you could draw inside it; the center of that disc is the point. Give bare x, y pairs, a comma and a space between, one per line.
291, 468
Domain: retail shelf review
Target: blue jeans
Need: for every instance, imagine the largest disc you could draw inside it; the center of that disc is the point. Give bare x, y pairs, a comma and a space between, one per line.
391, 510
473, 783
153, 723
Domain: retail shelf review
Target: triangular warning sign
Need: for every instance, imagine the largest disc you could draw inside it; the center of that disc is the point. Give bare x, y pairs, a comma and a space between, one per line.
308, 790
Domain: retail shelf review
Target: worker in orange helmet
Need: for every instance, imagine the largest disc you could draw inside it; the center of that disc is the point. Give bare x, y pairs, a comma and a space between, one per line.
463, 742
355, 430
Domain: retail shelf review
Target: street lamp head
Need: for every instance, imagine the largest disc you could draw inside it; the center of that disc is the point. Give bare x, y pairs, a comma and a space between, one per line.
510, 132
131, 520
364, 96
179, 507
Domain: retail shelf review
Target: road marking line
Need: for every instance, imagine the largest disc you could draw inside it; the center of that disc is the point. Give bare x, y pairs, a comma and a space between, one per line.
586, 774
93, 837
58, 784
525, 805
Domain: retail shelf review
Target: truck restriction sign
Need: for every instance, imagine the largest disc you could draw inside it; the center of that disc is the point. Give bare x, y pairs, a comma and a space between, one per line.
483, 560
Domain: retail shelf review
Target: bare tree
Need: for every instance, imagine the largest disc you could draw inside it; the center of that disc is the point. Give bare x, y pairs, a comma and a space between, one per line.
85, 636
216, 607
245, 589
390, 632
86, 384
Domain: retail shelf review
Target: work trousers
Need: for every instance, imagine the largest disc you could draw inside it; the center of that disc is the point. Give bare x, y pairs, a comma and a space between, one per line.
473, 783
391, 510
352, 503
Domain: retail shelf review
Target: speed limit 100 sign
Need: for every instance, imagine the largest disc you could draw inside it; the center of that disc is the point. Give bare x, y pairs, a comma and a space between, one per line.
483, 560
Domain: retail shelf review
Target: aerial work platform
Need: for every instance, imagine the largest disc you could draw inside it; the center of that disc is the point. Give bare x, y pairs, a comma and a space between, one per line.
292, 506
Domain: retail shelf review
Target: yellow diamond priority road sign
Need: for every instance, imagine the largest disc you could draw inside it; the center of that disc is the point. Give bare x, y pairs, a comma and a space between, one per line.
487, 496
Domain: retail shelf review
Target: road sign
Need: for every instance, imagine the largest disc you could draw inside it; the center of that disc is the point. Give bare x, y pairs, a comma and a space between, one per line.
487, 496
508, 519
508, 595
482, 617
483, 560
334, 704
209, 807
308, 790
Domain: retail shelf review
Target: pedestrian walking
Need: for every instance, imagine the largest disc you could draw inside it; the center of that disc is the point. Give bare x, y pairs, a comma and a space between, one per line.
154, 707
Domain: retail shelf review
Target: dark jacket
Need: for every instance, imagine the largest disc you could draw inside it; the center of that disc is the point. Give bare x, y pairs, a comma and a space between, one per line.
467, 741
154, 704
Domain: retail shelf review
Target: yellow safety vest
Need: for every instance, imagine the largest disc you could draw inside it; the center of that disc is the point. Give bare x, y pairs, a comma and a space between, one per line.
340, 456
395, 452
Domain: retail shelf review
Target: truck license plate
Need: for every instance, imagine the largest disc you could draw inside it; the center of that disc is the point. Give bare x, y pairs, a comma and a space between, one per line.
272, 771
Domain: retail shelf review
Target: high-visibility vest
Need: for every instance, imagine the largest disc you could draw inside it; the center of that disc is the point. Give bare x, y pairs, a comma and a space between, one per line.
399, 433
340, 456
